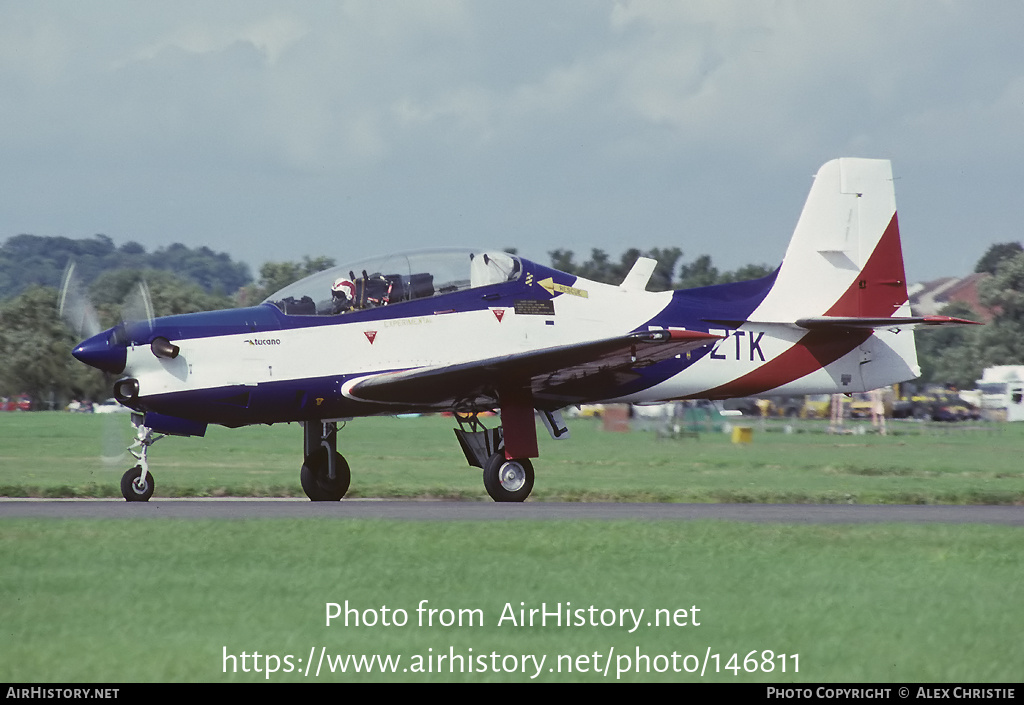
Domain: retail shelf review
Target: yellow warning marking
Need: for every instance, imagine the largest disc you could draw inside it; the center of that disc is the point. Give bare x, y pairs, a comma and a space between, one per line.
554, 288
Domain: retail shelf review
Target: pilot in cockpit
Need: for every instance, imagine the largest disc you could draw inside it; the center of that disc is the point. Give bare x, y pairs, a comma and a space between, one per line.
343, 295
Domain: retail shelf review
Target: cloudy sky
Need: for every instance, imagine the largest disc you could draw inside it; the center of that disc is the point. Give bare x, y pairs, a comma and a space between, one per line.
272, 130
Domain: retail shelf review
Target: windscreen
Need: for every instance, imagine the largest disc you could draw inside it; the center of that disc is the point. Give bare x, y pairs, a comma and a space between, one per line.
394, 279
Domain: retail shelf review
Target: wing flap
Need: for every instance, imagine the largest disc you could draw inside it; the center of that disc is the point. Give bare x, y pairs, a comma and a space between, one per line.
543, 371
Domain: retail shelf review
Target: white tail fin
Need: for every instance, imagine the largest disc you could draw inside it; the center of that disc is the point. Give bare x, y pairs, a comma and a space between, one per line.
845, 257
843, 272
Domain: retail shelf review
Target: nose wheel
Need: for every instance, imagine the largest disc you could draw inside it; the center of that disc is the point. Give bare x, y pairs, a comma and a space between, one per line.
136, 486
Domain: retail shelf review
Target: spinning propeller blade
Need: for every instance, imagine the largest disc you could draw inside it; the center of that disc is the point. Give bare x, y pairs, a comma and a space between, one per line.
75, 307
78, 312
137, 311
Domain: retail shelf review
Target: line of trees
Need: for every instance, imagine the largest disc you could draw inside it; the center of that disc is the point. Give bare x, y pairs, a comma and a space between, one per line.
669, 274
35, 343
26, 260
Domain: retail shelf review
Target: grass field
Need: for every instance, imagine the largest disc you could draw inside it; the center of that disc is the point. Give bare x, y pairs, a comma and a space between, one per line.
61, 455
163, 600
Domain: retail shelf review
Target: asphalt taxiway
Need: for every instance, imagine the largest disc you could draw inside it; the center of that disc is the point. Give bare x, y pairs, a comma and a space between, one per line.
420, 510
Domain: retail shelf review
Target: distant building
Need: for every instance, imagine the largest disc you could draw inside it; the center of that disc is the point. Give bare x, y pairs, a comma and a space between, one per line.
927, 298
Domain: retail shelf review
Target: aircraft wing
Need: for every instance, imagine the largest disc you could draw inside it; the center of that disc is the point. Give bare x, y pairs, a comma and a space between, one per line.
560, 375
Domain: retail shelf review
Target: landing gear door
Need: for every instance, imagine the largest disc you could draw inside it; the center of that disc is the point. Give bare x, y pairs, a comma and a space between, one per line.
555, 425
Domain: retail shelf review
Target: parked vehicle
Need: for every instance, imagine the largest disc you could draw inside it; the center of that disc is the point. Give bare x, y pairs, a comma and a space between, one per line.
22, 402
934, 405
817, 406
1002, 392
110, 406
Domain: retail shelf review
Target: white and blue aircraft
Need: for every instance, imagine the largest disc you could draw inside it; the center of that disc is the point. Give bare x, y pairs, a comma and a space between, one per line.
470, 331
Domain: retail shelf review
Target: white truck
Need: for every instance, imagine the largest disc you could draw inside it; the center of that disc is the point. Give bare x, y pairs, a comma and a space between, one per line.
1002, 392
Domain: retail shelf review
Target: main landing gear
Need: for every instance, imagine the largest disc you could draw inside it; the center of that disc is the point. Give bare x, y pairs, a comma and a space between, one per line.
505, 479
325, 474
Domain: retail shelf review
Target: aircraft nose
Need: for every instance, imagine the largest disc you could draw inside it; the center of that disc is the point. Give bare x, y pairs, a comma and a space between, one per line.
103, 352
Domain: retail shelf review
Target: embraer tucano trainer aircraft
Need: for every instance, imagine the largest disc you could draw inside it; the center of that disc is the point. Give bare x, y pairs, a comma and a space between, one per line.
469, 331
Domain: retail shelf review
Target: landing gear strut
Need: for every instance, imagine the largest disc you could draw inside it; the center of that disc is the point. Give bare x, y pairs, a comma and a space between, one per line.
325, 474
137, 484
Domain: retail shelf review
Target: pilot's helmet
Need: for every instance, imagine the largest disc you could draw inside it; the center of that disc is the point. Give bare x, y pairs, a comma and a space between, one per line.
343, 289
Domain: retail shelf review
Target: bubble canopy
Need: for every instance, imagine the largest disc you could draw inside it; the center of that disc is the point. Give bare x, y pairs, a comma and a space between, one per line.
392, 279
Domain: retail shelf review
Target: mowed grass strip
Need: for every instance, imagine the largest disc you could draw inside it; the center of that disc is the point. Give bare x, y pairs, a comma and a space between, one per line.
164, 600
69, 455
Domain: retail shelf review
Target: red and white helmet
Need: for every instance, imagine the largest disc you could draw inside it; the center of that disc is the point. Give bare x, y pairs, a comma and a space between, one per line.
343, 289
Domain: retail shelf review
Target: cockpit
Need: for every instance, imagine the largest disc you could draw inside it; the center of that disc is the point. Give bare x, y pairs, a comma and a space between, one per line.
393, 279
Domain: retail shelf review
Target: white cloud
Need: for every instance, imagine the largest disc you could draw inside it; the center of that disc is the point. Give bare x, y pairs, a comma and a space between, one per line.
581, 120
271, 36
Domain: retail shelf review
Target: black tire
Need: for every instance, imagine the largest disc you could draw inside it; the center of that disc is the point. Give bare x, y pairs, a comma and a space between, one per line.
315, 480
508, 480
135, 491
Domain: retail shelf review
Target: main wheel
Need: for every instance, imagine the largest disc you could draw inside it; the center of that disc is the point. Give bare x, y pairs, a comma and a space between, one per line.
508, 480
316, 482
134, 488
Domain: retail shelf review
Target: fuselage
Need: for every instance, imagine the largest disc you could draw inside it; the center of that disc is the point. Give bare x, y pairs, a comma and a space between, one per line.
292, 358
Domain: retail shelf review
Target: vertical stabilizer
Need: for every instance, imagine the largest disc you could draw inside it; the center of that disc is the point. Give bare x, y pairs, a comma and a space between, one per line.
845, 257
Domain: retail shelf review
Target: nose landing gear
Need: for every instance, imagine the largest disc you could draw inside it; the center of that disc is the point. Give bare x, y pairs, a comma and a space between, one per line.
505, 479
137, 484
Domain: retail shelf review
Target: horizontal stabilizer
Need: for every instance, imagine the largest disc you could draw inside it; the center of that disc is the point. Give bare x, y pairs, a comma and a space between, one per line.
861, 323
